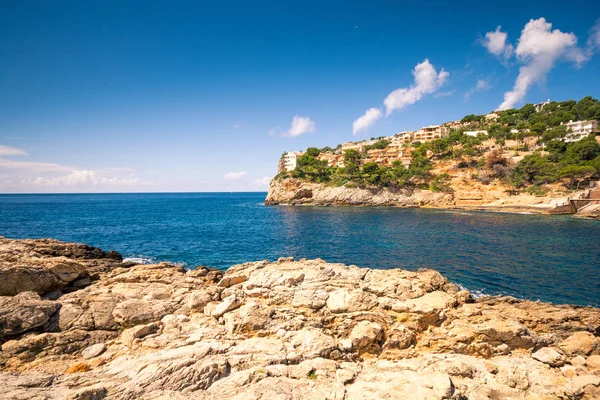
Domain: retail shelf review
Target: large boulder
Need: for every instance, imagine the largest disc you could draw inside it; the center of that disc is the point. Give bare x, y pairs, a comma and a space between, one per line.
24, 312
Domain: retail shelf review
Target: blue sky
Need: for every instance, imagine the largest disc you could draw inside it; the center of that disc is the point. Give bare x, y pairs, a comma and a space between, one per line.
199, 96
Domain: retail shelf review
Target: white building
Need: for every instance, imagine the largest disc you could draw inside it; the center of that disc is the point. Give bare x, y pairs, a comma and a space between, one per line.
491, 116
476, 133
402, 138
431, 132
579, 129
539, 106
358, 146
290, 160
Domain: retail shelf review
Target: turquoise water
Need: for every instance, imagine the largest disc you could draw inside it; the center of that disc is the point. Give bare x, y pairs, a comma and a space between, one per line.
553, 259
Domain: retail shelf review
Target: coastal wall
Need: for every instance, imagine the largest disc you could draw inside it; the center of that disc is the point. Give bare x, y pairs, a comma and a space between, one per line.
93, 327
297, 192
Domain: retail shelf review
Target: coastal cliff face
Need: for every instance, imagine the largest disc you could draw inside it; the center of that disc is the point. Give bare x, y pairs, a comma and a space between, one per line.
463, 195
296, 191
99, 328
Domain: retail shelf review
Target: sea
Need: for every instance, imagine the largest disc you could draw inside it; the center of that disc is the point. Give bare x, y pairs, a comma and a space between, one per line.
546, 258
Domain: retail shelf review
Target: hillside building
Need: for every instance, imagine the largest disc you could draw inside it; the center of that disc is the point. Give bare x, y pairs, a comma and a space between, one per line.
290, 160
579, 129
431, 132
491, 117
540, 106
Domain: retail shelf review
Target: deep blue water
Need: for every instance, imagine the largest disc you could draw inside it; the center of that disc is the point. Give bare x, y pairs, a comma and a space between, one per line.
553, 258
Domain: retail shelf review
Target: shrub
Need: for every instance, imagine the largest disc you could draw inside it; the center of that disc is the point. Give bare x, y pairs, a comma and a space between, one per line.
441, 183
536, 190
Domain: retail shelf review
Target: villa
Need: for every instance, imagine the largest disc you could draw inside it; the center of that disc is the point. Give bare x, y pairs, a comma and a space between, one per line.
580, 129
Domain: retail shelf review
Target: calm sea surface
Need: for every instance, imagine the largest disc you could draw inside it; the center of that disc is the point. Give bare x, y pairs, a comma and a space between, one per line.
554, 259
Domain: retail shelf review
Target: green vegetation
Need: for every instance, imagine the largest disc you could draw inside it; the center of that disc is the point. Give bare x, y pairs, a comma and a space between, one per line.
578, 162
382, 144
573, 164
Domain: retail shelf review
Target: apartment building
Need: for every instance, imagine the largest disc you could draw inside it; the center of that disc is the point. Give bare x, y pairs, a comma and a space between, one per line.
402, 138
290, 160
579, 129
453, 124
431, 132
361, 146
332, 159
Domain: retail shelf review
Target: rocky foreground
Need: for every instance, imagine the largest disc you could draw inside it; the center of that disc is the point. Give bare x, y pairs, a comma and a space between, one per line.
78, 323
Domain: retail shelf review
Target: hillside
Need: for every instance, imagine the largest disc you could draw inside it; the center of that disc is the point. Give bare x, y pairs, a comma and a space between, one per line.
536, 156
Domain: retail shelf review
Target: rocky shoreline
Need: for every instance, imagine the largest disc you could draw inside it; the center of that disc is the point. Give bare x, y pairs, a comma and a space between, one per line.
78, 323
298, 192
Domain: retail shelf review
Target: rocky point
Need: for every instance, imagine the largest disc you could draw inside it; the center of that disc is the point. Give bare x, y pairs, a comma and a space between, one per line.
78, 323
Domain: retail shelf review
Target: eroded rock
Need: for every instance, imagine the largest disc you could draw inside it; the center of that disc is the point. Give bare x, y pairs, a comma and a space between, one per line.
293, 329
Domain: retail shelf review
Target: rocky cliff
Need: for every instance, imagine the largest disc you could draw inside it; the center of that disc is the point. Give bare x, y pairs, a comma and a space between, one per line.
296, 191
78, 323
464, 194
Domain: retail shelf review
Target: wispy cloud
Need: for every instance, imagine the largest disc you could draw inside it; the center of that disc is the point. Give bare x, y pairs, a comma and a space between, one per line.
443, 94
261, 182
480, 85
240, 125
538, 50
83, 178
593, 42
366, 120
29, 175
300, 126
426, 80
235, 175
11, 151
496, 42
32, 166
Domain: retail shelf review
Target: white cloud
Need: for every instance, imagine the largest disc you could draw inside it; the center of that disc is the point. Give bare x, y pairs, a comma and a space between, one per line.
31, 175
11, 151
83, 178
366, 120
593, 42
32, 166
496, 43
235, 175
443, 94
538, 50
300, 126
481, 85
427, 80
264, 181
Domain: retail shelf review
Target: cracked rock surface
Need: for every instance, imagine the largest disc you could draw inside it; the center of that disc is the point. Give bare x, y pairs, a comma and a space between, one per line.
94, 327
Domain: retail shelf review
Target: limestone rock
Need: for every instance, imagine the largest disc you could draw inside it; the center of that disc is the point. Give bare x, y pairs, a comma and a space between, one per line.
290, 329
580, 343
24, 312
139, 331
93, 351
295, 191
365, 336
593, 362
549, 356
132, 312
217, 309
46, 265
